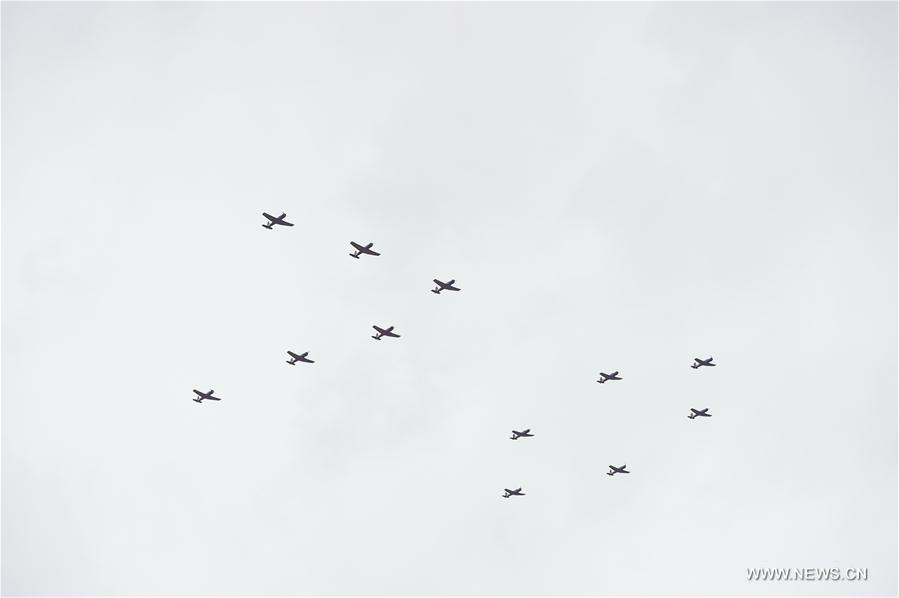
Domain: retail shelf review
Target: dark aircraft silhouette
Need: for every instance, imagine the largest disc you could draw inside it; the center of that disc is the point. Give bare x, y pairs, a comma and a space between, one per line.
701, 362
513, 493
384, 332
294, 358
205, 395
444, 286
362, 249
699, 413
517, 435
614, 470
605, 377
273, 221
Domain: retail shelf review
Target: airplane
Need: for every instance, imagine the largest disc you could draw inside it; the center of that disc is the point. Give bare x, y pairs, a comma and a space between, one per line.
384, 332
273, 221
517, 435
605, 377
513, 493
699, 413
294, 358
444, 286
205, 395
360, 249
701, 362
615, 470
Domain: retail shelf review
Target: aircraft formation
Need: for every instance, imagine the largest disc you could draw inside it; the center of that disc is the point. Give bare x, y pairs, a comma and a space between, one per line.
272, 221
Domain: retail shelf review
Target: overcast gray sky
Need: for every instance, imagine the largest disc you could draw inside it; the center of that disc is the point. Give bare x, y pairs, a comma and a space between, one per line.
614, 186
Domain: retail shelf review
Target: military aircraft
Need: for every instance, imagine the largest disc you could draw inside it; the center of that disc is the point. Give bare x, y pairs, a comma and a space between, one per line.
360, 249
294, 358
384, 332
605, 377
513, 493
699, 413
613, 470
273, 221
205, 395
701, 362
444, 286
516, 435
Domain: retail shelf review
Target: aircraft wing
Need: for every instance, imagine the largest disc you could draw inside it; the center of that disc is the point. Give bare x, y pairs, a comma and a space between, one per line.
286, 223
269, 216
393, 334
357, 246
450, 287
292, 354
212, 398
370, 252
